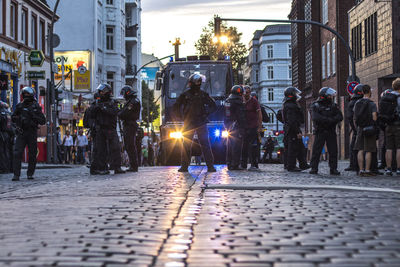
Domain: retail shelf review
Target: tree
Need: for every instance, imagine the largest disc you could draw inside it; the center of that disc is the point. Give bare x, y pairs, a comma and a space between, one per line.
149, 103
234, 48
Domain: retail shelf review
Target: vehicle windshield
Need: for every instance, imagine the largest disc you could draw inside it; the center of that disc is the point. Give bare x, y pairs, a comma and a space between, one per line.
216, 77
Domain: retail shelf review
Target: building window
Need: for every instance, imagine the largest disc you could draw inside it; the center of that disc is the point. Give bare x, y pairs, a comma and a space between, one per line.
42, 37
370, 35
309, 68
356, 36
290, 72
99, 35
48, 38
2, 15
270, 94
256, 76
324, 12
110, 38
270, 51
256, 55
110, 2
271, 117
333, 55
13, 21
270, 72
110, 79
323, 62
290, 50
34, 31
307, 16
24, 26
328, 59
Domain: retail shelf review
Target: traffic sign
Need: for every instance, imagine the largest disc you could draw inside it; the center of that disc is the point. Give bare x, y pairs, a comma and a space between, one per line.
351, 86
36, 75
36, 58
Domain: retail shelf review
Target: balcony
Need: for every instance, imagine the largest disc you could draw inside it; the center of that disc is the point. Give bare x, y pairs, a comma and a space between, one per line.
131, 33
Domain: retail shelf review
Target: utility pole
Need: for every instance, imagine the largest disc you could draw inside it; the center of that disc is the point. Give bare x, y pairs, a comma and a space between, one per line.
176, 44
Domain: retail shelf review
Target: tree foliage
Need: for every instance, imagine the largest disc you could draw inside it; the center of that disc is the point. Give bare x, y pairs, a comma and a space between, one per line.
149, 103
234, 48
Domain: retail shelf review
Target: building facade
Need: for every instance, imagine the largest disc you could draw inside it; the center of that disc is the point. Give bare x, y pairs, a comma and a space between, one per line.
270, 68
375, 38
319, 58
24, 27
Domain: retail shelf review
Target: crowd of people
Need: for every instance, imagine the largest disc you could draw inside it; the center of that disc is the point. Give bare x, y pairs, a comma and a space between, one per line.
101, 148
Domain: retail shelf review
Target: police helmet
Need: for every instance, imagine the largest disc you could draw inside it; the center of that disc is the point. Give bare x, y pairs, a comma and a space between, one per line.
3, 105
128, 91
292, 93
387, 91
195, 79
104, 89
28, 92
237, 90
326, 92
254, 94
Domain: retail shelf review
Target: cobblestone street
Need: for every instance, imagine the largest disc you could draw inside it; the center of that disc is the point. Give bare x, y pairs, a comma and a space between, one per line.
159, 217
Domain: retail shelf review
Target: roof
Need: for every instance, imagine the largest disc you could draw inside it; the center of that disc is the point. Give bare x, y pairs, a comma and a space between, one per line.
44, 2
257, 34
277, 29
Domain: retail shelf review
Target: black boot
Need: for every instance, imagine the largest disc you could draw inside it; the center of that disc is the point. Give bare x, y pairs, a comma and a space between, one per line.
119, 171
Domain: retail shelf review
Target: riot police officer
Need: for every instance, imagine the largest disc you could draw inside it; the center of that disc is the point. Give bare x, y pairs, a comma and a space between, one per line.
293, 119
27, 116
194, 105
325, 115
235, 120
129, 114
357, 95
6, 139
106, 112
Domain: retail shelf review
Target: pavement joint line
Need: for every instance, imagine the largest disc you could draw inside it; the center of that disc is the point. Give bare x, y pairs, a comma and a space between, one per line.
176, 217
300, 187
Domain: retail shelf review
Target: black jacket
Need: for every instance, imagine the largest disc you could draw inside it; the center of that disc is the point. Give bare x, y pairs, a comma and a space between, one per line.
235, 112
130, 112
194, 106
28, 115
325, 116
106, 112
293, 117
350, 112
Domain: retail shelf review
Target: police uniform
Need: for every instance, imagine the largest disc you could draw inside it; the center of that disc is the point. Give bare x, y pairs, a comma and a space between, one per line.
27, 116
129, 114
106, 112
6, 139
235, 121
195, 105
325, 115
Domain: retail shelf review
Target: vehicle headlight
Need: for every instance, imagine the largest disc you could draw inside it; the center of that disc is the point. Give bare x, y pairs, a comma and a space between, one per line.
225, 134
176, 135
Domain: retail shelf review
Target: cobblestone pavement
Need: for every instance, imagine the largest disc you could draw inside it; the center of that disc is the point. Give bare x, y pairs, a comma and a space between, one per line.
159, 217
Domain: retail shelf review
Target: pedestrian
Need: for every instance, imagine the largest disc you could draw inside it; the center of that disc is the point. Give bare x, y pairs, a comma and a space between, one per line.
129, 114
390, 114
81, 142
292, 117
269, 147
325, 116
59, 145
89, 122
7, 133
234, 122
139, 141
365, 119
27, 116
106, 112
145, 155
68, 143
253, 126
195, 105
357, 95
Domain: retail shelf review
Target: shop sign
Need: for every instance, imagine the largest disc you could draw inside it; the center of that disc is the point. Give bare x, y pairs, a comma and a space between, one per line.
36, 58
36, 75
82, 80
5, 66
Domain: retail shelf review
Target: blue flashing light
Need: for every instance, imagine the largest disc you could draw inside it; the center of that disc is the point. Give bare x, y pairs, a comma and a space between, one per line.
217, 132
227, 58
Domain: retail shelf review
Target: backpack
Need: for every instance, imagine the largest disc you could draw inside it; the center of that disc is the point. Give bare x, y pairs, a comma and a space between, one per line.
87, 120
279, 116
362, 114
388, 108
265, 117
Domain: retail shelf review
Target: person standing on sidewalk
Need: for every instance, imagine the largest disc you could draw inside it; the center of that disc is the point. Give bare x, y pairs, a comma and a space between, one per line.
129, 114
365, 118
81, 142
68, 143
392, 130
325, 115
250, 147
27, 116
